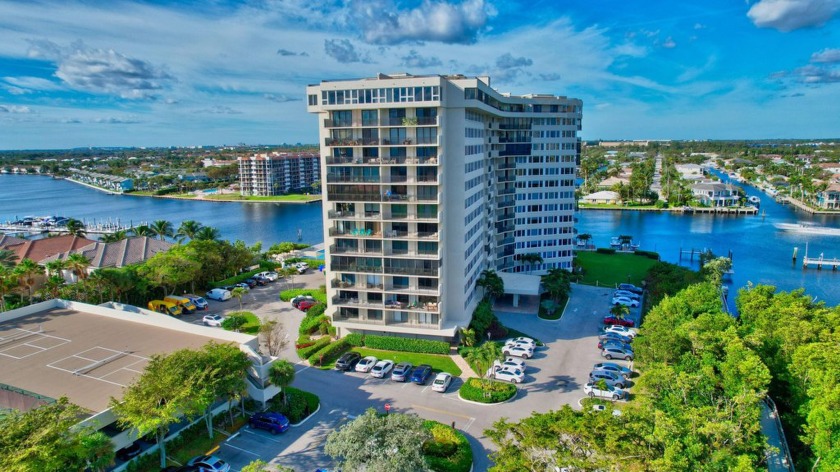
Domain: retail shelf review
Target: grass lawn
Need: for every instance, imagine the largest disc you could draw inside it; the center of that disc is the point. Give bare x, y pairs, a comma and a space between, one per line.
439, 363
612, 269
252, 325
276, 198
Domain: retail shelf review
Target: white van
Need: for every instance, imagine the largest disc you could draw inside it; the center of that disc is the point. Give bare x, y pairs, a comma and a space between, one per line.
218, 294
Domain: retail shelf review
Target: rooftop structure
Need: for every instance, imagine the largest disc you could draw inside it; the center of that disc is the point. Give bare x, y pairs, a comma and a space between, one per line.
429, 180
117, 254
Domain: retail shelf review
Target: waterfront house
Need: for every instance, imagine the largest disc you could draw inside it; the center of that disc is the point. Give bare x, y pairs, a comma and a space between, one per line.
604, 196
829, 199
609, 182
117, 254
715, 194
690, 171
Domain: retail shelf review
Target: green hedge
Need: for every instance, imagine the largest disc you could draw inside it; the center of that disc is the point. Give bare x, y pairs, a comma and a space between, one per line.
318, 294
648, 254
310, 324
448, 450
478, 390
605, 250
396, 343
316, 310
305, 352
297, 404
269, 265
355, 339
329, 352
235, 279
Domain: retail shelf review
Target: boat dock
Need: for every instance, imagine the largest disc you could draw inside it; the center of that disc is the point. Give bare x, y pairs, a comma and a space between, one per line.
820, 262
107, 227
748, 210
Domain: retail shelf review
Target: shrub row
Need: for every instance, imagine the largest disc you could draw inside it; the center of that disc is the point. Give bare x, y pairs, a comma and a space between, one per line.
328, 353
310, 324
481, 391
395, 343
605, 250
317, 294
448, 450
297, 405
648, 254
316, 310
307, 351
235, 279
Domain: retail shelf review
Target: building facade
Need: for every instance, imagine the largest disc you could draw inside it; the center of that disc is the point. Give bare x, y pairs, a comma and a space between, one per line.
278, 173
428, 181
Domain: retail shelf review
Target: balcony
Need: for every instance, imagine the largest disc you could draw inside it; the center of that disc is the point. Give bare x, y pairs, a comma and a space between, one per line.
335, 283
355, 268
339, 124
354, 197
359, 179
355, 232
420, 271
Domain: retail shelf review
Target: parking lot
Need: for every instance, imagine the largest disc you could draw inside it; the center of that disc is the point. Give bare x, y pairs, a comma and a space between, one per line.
554, 377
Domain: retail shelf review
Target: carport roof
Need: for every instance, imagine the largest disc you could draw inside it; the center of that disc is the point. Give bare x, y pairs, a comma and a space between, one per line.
520, 284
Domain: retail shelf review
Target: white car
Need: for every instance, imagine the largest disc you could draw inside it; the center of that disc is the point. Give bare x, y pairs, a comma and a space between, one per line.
270, 276
366, 364
302, 267
382, 368
518, 350
522, 341
509, 374
613, 393
441, 382
624, 301
622, 330
218, 294
628, 294
514, 362
212, 320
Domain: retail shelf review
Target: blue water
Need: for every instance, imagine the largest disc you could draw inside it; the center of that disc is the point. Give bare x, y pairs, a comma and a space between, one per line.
761, 253
250, 222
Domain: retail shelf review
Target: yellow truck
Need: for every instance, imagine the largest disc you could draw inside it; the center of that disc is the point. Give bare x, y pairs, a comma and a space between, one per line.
167, 308
185, 303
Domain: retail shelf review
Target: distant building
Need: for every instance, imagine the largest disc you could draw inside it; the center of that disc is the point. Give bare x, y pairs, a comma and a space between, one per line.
106, 181
278, 173
117, 254
716, 194
216, 163
690, 171
610, 144
833, 167
40, 249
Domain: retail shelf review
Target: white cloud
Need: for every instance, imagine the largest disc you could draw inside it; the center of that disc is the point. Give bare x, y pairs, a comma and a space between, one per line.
342, 50
30, 84
826, 56
413, 59
383, 23
101, 71
112, 120
789, 15
669, 43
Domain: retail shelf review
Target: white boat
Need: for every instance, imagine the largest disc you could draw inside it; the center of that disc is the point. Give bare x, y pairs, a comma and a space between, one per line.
808, 228
754, 199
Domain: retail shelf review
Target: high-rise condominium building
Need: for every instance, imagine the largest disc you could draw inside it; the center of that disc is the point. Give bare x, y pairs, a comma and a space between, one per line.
278, 173
428, 181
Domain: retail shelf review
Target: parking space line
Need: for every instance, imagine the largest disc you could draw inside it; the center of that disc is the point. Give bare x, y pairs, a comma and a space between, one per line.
469, 423
243, 450
263, 437
443, 412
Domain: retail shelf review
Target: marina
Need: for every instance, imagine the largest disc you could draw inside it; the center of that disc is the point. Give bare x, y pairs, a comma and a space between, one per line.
29, 225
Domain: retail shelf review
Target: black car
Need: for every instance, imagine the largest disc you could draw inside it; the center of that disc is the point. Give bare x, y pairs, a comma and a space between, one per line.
251, 282
348, 361
260, 280
128, 452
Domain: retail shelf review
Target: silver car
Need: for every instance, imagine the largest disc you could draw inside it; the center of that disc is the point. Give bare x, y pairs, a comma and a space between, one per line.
614, 352
611, 378
613, 393
401, 372
613, 367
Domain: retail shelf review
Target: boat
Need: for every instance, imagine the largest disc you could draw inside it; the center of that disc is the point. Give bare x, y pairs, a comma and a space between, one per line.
808, 228
754, 199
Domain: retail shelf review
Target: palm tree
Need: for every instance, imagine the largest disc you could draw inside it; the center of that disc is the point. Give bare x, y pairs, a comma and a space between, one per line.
483, 358
207, 233
7, 258
238, 292
52, 286
282, 374
75, 227
56, 267
26, 271
142, 230
493, 285
585, 238
8, 282
162, 229
620, 311
78, 264
557, 283
118, 235
188, 230
531, 258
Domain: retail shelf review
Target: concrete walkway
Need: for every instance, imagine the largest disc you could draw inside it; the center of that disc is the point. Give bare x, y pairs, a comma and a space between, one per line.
466, 370
778, 460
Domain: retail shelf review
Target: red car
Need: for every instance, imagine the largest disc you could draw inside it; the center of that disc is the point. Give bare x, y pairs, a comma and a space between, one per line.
612, 320
306, 304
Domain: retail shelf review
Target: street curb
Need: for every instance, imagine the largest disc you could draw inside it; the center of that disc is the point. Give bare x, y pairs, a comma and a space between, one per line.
310, 416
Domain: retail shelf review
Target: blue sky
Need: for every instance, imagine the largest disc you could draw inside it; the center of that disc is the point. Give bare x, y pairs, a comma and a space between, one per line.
181, 73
